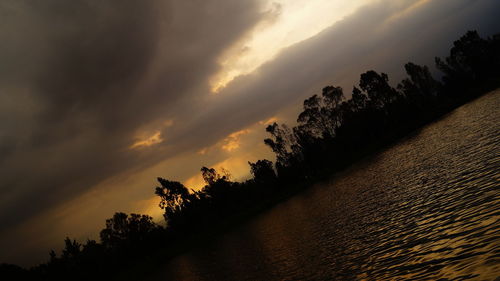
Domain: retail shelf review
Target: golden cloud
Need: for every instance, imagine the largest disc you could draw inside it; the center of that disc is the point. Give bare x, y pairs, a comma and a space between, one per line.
152, 140
232, 142
268, 121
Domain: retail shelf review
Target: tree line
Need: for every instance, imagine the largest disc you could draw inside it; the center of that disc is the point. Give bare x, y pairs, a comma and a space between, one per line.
332, 132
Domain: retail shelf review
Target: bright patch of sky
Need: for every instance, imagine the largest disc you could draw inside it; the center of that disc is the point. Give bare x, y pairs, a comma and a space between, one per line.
288, 22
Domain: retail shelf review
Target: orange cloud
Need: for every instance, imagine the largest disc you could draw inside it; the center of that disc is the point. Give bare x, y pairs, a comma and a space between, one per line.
203, 151
268, 121
232, 141
168, 123
152, 140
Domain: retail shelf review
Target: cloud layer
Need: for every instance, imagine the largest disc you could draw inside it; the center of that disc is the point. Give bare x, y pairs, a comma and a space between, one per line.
80, 79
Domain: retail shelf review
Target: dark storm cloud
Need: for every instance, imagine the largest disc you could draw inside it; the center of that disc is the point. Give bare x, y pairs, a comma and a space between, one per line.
78, 78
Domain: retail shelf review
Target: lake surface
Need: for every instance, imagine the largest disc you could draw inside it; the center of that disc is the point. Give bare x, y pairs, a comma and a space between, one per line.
428, 208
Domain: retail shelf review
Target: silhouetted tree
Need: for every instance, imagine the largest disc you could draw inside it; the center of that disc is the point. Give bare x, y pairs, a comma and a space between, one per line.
473, 62
420, 86
377, 88
263, 172
173, 196
124, 229
217, 185
71, 248
321, 114
282, 143
358, 100
210, 175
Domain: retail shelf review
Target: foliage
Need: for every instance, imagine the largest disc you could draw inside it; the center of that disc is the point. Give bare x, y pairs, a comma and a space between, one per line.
123, 229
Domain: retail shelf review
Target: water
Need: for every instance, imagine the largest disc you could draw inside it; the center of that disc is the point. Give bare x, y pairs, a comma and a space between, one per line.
425, 209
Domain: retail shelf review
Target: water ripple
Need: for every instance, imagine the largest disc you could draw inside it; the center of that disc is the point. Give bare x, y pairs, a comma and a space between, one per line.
425, 209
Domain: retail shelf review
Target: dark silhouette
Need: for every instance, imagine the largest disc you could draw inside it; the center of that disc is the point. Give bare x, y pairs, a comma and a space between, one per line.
263, 173
126, 231
332, 132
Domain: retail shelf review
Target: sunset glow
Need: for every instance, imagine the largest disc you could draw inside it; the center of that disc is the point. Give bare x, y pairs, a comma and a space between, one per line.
288, 22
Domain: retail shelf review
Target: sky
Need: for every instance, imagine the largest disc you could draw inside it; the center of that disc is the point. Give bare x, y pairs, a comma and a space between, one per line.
98, 99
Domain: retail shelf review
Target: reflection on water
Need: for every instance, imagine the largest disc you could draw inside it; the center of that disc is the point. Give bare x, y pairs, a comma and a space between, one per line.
425, 209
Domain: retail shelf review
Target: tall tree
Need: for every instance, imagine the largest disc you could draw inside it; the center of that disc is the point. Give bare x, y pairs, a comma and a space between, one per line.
283, 143
377, 88
263, 172
174, 195
123, 229
420, 86
472, 62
